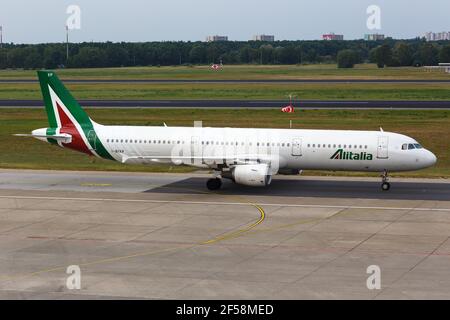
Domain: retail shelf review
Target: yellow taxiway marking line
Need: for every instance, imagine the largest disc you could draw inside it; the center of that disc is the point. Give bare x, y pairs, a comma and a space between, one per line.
230, 203
239, 232
223, 237
87, 184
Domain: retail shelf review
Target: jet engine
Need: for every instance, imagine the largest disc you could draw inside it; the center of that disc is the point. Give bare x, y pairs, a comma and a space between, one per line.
255, 175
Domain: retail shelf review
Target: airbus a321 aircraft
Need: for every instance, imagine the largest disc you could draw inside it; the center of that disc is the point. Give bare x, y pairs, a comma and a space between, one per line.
247, 156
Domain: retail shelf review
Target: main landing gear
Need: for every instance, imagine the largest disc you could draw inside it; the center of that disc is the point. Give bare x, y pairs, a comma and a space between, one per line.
385, 185
214, 184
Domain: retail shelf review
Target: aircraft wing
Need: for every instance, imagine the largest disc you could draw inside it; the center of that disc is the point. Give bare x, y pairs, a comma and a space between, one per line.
208, 160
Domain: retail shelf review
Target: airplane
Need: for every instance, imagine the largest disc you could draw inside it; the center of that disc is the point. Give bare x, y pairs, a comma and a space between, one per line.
247, 156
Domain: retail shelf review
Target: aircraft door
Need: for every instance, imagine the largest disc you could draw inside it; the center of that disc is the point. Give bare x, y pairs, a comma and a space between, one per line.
383, 147
297, 147
196, 150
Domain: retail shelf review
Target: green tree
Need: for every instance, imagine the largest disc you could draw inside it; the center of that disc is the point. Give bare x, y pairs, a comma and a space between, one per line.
197, 54
444, 54
3, 59
403, 54
54, 56
116, 56
347, 58
266, 54
212, 53
383, 55
249, 55
16, 57
89, 57
33, 60
428, 54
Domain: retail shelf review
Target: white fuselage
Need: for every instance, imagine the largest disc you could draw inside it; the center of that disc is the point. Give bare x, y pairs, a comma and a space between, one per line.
283, 148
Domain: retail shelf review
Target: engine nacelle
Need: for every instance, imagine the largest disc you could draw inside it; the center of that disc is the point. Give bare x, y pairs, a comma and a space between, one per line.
254, 175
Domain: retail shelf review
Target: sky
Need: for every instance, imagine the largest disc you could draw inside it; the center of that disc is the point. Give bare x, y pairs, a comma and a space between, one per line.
192, 20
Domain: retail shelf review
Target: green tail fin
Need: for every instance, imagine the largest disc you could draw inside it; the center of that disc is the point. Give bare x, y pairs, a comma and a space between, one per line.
55, 93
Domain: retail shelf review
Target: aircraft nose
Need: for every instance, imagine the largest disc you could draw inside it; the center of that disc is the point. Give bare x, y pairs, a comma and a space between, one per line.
431, 158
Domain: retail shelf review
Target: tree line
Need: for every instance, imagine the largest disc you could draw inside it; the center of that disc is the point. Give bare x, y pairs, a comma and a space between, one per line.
389, 52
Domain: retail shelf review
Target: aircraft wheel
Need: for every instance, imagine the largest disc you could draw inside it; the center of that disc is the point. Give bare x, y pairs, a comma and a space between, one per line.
214, 184
385, 186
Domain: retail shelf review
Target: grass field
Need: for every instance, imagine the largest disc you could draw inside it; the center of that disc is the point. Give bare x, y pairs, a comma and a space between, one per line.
431, 128
250, 72
355, 91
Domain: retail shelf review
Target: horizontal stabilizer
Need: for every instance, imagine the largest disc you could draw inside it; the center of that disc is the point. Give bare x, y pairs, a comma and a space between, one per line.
63, 137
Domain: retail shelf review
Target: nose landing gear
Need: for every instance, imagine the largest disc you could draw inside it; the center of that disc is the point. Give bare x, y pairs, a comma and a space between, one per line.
385, 185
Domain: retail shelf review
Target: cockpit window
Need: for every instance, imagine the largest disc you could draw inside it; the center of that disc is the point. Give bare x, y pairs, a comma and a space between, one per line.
411, 146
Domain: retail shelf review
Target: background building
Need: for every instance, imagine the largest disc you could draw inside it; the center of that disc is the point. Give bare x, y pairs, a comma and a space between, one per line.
332, 36
431, 36
263, 37
374, 37
216, 38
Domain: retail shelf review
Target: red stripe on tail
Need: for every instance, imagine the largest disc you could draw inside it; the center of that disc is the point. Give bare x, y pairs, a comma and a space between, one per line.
67, 126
